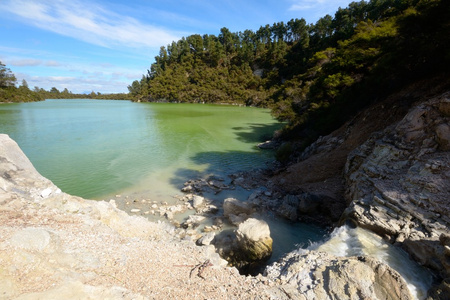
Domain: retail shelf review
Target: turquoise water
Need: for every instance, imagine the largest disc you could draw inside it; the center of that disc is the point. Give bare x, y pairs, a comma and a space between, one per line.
96, 148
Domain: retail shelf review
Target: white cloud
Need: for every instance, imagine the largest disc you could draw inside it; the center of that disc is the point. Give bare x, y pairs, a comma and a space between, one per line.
30, 62
25, 62
52, 63
78, 78
92, 23
77, 84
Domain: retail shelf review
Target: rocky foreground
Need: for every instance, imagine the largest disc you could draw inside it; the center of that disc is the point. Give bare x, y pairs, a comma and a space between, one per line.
57, 246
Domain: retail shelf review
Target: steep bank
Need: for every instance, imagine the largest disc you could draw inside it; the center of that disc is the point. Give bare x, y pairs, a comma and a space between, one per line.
389, 168
53, 246
398, 184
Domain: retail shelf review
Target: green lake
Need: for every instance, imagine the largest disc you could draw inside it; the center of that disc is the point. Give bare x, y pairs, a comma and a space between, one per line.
110, 149
98, 148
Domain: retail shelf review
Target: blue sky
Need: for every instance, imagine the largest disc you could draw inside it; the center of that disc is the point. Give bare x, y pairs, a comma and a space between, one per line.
102, 46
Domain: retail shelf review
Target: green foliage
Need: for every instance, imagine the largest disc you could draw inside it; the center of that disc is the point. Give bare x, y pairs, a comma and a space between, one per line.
313, 76
10, 93
284, 152
7, 78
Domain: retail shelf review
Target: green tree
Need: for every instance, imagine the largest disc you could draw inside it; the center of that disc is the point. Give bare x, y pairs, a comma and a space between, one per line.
24, 84
7, 78
134, 88
54, 90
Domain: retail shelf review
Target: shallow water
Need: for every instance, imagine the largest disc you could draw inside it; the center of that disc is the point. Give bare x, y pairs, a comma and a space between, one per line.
97, 148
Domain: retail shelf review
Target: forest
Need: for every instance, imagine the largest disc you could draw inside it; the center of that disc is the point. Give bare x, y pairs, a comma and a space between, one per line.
10, 92
312, 76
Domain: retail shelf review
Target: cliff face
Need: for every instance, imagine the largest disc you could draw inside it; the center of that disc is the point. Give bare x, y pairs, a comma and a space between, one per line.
398, 183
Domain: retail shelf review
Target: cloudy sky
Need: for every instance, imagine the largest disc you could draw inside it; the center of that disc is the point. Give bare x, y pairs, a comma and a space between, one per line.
103, 45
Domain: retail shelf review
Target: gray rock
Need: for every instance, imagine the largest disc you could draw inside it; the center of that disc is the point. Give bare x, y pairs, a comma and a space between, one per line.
236, 220
193, 221
398, 183
206, 239
197, 201
289, 207
318, 275
232, 206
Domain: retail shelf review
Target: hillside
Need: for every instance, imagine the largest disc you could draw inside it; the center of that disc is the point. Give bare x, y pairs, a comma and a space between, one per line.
315, 77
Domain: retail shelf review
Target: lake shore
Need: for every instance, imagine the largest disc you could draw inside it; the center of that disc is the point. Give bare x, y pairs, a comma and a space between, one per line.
396, 191
54, 245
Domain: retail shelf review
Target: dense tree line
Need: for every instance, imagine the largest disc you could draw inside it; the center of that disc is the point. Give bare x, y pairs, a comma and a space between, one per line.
311, 75
54, 93
9, 92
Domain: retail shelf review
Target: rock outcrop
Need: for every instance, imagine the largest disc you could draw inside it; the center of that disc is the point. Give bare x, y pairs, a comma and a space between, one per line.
248, 247
398, 184
317, 275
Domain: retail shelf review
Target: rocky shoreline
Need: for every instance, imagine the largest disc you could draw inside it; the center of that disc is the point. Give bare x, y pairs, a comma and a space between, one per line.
396, 182
54, 245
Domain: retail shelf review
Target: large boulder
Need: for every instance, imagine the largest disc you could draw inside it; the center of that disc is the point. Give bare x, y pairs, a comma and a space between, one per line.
246, 248
254, 239
398, 184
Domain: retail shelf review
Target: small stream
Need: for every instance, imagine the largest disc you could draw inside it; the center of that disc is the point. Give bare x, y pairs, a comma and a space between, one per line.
346, 241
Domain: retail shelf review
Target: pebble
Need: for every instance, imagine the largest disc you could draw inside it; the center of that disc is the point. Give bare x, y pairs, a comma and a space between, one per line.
135, 210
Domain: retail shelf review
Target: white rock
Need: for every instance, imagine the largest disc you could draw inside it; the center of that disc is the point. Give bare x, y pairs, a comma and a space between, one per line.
197, 201
206, 239
46, 192
254, 229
